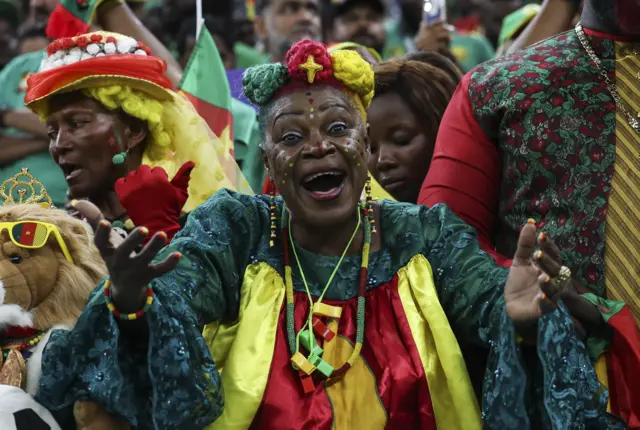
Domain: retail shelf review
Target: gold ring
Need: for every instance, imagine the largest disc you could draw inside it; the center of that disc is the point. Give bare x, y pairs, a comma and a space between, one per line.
563, 278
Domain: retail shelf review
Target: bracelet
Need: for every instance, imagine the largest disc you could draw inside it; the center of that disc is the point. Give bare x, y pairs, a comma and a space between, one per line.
126, 317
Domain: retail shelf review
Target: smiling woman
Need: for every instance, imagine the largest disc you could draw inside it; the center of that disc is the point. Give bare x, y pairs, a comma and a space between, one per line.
119, 140
325, 312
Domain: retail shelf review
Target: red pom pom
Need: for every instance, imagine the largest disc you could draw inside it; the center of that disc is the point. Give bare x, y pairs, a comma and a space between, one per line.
67, 43
52, 48
63, 23
96, 38
111, 39
82, 42
300, 52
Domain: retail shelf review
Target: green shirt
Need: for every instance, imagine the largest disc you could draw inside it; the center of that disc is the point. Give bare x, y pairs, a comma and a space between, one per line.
246, 145
41, 165
247, 56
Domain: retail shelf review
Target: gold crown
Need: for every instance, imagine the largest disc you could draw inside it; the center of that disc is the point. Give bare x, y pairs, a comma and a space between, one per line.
23, 189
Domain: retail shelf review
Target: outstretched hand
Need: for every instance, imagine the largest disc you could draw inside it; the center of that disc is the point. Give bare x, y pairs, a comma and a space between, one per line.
530, 292
130, 271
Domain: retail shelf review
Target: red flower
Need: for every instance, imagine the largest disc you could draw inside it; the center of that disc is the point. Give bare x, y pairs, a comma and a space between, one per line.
522, 166
562, 219
542, 223
596, 155
533, 75
82, 41
539, 118
96, 38
513, 68
111, 39
546, 162
51, 49
556, 100
543, 206
67, 42
592, 274
537, 145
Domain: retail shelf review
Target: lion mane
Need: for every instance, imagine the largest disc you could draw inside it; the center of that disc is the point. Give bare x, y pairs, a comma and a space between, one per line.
74, 282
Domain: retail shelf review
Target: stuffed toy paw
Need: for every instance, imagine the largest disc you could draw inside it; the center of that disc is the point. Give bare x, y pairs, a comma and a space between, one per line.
19, 411
91, 416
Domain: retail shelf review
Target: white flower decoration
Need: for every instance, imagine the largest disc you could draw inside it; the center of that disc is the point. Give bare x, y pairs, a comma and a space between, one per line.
85, 56
93, 48
76, 52
71, 58
124, 46
57, 55
57, 63
100, 54
109, 48
140, 52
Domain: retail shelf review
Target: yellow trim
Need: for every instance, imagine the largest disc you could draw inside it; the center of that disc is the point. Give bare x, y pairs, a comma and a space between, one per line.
244, 349
454, 402
601, 371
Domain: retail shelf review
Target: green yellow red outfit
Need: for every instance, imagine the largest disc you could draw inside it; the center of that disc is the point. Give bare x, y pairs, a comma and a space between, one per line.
537, 134
411, 374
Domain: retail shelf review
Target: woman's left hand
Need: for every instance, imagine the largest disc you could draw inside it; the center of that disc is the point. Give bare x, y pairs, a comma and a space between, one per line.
530, 291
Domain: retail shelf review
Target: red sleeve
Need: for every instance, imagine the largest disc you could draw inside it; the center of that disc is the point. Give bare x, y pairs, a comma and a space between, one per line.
465, 171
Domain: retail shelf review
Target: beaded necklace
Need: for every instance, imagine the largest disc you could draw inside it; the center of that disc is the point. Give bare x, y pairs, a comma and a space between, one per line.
308, 365
21, 344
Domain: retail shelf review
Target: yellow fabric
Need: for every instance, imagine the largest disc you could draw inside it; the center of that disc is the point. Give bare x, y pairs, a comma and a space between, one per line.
622, 241
379, 193
454, 402
354, 397
243, 350
601, 371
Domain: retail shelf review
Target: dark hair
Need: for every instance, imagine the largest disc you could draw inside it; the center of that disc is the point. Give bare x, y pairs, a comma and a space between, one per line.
32, 30
216, 26
445, 63
425, 88
261, 6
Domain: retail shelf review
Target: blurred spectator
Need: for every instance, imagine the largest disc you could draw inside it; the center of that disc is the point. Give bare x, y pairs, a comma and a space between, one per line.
411, 33
39, 11
445, 63
358, 21
493, 12
9, 21
281, 23
32, 38
222, 33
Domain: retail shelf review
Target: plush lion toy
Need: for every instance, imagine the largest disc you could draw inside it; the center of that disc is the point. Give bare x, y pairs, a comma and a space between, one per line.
48, 268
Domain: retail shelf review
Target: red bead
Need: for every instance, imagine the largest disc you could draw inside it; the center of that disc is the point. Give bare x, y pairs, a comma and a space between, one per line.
116, 313
149, 292
307, 382
321, 329
106, 292
139, 314
96, 38
111, 39
82, 41
68, 42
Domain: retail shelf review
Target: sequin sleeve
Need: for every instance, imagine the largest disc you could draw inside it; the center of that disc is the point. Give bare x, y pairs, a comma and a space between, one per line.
173, 382
562, 389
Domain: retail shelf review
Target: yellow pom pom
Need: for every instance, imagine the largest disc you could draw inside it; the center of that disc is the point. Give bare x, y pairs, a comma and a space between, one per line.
355, 73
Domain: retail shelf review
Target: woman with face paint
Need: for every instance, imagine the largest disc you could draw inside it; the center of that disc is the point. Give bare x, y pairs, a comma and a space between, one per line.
324, 311
553, 133
120, 140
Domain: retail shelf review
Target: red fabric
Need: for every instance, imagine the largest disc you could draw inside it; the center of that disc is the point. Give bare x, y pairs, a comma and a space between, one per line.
63, 23
268, 186
617, 37
465, 171
467, 24
389, 351
152, 201
217, 118
19, 332
623, 366
133, 66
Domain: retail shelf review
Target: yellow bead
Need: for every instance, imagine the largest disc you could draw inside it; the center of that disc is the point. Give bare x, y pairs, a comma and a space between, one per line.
302, 363
326, 310
131, 317
111, 307
149, 300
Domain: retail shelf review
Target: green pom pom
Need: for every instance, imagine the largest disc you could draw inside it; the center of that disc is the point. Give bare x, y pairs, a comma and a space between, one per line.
261, 82
118, 159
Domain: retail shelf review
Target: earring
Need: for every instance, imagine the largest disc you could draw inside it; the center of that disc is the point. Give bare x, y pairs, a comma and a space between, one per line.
118, 159
272, 211
369, 200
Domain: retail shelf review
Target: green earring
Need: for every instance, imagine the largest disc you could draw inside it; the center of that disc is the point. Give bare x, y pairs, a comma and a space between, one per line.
118, 159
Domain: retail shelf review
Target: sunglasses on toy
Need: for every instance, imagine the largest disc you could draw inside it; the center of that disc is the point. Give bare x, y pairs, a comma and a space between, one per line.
34, 235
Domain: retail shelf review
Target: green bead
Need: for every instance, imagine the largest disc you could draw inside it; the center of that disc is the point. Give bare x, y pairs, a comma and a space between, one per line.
118, 159
325, 368
304, 340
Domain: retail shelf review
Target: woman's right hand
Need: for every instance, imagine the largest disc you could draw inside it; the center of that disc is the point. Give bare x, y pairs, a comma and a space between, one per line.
130, 272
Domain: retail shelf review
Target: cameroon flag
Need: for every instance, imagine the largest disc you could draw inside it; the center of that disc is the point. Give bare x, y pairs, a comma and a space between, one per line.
205, 84
29, 234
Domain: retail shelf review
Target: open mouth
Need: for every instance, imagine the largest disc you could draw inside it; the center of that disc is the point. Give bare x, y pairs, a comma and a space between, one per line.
324, 185
70, 171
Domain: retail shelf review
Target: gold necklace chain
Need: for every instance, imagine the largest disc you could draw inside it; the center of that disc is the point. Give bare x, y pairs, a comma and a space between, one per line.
633, 122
